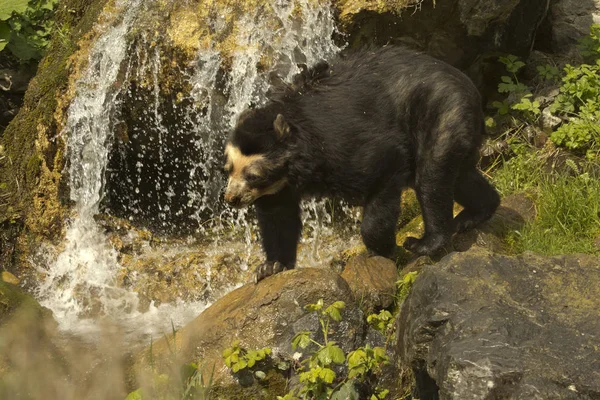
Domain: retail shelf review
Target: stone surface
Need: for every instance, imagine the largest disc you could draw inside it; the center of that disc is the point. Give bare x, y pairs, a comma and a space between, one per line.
372, 281
514, 211
478, 325
267, 314
456, 31
9, 278
569, 20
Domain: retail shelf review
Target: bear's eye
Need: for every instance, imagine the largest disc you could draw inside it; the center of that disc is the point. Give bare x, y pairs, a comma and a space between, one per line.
252, 177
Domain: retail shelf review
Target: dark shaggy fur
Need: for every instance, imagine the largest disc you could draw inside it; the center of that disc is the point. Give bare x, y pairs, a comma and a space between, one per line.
363, 128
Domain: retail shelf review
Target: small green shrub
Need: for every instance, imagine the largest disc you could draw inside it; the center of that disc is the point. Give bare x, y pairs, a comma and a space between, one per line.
318, 380
382, 322
520, 171
578, 100
405, 285
26, 27
589, 46
519, 96
238, 358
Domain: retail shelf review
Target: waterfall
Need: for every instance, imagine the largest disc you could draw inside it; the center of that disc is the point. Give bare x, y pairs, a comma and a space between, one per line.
177, 174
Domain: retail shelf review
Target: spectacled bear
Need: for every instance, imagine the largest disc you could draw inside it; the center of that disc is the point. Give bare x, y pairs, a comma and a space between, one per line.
363, 128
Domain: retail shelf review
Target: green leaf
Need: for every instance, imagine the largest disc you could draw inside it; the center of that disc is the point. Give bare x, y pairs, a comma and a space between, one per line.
239, 366
334, 310
327, 375
135, 395
331, 353
356, 357
314, 307
346, 392
22, 48
337, 354
379, 354
7, 7
4, 35
302, 340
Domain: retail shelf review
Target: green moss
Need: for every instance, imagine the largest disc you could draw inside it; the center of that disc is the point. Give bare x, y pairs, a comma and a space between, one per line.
33, 168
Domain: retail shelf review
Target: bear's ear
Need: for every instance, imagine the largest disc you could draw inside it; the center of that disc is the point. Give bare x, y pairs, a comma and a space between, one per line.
244, 115
282, 129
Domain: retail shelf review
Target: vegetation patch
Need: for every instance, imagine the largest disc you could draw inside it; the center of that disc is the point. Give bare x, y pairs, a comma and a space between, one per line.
563, 176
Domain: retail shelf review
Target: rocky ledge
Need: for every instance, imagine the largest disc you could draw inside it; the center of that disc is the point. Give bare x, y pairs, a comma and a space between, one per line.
479, 325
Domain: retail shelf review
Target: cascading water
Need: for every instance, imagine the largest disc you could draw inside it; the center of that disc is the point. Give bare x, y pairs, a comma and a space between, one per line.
166, 173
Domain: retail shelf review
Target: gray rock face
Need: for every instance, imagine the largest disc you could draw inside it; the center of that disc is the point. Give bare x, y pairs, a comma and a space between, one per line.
570, 20
483, 326
456, 31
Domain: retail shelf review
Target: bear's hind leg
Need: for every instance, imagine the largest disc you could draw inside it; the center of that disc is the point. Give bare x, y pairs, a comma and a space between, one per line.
280, 227
478, 198
380, 216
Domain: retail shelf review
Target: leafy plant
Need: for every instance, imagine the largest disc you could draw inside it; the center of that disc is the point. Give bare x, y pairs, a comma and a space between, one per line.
519, 94
383, 322
548, 72
577, 102
238, 358
405, 285
317, 376
26, 27
589, 46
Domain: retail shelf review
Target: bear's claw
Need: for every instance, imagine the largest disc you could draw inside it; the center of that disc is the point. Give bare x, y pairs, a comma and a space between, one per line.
267, 269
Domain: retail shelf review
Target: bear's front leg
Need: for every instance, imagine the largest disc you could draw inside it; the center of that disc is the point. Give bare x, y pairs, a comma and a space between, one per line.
280, 227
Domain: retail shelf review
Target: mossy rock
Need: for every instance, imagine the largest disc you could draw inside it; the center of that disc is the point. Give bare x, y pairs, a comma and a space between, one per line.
33, 186
13, 300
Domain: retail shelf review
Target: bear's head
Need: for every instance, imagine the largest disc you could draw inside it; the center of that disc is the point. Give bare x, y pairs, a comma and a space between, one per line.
256, 156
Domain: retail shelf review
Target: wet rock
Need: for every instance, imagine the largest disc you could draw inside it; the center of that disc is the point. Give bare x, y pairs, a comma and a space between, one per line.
479, 325
267, 314
9, 278
372, 281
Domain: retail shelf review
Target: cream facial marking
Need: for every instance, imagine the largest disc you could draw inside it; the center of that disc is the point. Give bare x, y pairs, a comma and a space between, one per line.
239, 193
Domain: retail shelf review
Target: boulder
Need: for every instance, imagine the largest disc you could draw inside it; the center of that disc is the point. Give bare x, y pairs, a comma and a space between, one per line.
514, 211
568, 21
372, 281
461, 32
479, 325
267, 314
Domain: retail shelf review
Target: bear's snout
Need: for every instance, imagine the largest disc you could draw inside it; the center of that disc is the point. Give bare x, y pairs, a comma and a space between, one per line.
238, 194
